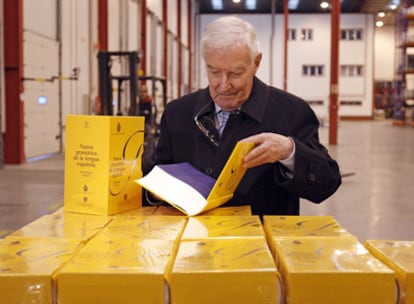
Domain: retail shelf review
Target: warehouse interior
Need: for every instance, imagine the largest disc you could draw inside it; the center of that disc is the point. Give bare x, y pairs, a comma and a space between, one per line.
371, 137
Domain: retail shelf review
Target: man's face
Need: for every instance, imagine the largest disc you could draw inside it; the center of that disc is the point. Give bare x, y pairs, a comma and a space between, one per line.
230, 73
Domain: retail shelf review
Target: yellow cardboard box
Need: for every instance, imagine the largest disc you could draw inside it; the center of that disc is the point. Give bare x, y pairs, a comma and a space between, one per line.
67, 225
398, 255
117, 270
27, 267
222, 226
231, 210
332, 270
302, 225
227, 270
151, 226
103, 157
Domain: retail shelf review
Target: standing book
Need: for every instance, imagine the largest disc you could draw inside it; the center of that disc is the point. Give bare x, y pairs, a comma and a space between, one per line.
190, 190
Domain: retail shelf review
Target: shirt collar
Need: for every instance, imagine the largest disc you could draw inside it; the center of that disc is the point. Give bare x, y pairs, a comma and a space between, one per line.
254, 107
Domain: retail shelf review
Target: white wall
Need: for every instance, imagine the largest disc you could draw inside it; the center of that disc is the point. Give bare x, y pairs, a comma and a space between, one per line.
384, 59
314, 52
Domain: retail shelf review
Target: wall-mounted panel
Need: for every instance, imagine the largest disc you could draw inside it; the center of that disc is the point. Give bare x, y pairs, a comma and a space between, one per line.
41, 97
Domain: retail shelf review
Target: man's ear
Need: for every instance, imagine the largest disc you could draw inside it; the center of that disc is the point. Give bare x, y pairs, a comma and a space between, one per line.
257, 61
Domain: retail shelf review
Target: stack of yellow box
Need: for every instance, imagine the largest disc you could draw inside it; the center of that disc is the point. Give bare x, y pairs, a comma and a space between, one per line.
126, 262
28, 266
117, 270
398, 255
320, 262
232, 210
150, 227
223, 259
281, 226
202, 227
64, 225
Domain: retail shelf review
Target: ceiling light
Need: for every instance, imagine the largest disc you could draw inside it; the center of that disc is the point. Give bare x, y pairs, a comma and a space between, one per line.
217, 4
381, 14
251, 4
394, 4
324, 5
293, 4
236, 1
379, 23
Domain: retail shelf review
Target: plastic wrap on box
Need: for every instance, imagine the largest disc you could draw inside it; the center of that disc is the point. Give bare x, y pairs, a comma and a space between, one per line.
168, 210
152, 226
226, 270
64, 225
117, 270
398, 255
103, 157
232, 210
200, 227
303, 225
28, 265
146, 210
332, 270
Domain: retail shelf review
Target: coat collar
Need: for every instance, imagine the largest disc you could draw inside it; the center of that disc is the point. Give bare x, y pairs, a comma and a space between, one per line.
254, 107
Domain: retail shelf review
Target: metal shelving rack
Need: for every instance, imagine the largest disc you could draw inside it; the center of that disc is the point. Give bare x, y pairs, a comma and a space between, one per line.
404, 77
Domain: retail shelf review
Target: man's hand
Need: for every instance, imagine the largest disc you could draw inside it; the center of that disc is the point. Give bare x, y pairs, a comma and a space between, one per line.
269, 148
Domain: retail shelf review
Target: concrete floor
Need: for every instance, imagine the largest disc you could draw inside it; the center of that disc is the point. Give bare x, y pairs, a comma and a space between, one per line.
375, 201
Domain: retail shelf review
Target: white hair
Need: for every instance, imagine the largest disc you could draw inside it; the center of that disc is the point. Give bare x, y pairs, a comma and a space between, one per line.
230, 30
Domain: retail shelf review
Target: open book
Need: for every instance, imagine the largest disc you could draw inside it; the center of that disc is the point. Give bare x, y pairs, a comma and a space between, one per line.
190, 190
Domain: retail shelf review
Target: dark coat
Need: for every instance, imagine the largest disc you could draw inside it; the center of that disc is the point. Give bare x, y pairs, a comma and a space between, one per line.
266, 188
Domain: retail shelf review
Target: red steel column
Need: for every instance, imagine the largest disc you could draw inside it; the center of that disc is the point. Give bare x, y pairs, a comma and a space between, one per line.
165, 38
144, 37
333, 94
285, 64
180, 49
190, 46
13, 62
103, 24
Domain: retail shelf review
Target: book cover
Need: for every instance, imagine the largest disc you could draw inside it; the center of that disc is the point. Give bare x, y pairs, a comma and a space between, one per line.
192, 191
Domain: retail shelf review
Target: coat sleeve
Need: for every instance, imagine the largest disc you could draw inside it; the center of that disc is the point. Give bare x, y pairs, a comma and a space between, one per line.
316, 174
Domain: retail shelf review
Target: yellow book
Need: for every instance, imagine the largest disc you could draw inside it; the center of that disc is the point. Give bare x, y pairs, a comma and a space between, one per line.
103, 157
167, 210
222, 226
332, 270
192, 191
228, 270
64, 225
398, 255
28, 265
110, 270
231, 210
302, 225
145, 210
152, 226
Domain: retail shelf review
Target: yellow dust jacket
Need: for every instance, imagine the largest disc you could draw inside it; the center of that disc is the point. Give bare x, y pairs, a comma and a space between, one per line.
302, 225
64, 225
398, 255
231, 210
103, 157
111, 270
228, 270
192, 191
336, 270
150, 226
28, 265
222, 226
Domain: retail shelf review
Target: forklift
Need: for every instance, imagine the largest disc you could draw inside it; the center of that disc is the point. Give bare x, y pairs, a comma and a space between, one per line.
110, 61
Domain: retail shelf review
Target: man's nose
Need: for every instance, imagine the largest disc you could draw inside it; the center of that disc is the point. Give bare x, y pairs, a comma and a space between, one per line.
224, 82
